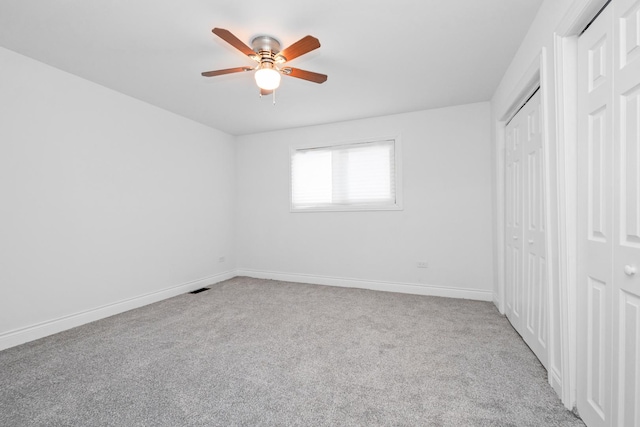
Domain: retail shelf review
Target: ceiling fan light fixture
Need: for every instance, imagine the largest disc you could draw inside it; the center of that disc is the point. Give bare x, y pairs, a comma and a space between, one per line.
266, 51
267, 78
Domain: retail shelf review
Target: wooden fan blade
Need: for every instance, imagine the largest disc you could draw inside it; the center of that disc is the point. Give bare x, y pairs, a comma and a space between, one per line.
264, 92
305, 75
225, 71
233, 41
302, 46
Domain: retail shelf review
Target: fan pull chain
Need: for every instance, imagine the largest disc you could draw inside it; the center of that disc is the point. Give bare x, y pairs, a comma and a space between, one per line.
274, 97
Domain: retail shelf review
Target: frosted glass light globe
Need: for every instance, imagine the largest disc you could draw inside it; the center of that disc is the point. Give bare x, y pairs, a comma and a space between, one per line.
267, 78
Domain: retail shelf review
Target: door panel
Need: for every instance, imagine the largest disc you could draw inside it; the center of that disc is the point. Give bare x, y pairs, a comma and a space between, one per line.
597, 389
626, 245
628, 395
598, 142
609, 249
527, 306
514, 224
535, 334
629, 31
595, 215
629, 160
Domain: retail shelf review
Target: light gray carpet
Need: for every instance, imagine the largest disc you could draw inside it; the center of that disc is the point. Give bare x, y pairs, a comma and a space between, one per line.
256, 352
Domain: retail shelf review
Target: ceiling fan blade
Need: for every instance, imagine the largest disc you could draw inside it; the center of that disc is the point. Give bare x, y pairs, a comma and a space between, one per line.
225, 71
264, 92
302, 46
233, 41
305, 75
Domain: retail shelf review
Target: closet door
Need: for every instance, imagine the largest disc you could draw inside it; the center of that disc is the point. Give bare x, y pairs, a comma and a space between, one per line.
534, 329
595, 220
609, 226
626, 241
526, 257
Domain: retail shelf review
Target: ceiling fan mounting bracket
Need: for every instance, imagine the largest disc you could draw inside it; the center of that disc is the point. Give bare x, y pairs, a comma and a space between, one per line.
269, 43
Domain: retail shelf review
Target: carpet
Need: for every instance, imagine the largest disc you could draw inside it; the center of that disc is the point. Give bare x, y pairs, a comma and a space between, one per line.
251, 352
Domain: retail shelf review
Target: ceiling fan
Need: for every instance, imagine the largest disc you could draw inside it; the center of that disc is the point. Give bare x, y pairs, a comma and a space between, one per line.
265, 50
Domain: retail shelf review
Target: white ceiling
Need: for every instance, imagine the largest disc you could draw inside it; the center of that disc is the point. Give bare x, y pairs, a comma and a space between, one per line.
382, 56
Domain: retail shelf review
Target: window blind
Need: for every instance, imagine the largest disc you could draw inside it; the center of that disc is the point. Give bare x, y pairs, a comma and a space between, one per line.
351, 175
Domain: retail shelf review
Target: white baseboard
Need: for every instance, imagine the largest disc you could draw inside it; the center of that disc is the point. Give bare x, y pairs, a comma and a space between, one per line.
404, 288
40, 330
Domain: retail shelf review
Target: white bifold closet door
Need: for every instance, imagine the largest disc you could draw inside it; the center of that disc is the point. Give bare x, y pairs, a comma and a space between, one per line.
526, 285
608, 305
595, 219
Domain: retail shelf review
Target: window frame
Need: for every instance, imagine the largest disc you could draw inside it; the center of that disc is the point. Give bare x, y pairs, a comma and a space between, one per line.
397, 154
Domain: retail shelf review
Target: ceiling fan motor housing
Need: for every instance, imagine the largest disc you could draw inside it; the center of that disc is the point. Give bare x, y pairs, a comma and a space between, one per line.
265, 43
267, 49
262, 44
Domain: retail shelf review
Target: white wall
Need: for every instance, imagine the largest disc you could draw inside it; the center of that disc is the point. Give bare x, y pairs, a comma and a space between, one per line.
107, 203
446, 219
540, 35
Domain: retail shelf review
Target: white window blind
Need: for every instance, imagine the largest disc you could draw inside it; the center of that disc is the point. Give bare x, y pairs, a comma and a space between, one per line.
352, 176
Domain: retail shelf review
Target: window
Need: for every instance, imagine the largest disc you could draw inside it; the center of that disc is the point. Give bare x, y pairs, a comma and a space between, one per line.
354, 176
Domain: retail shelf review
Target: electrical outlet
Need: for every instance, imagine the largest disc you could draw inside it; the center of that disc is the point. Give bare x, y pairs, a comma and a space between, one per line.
422, 264
221, 259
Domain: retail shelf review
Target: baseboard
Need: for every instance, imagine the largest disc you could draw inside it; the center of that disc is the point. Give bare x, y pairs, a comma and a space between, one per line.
404, 288
40, 330
50, 327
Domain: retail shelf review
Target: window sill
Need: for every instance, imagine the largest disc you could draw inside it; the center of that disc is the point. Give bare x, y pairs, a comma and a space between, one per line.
347, 209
